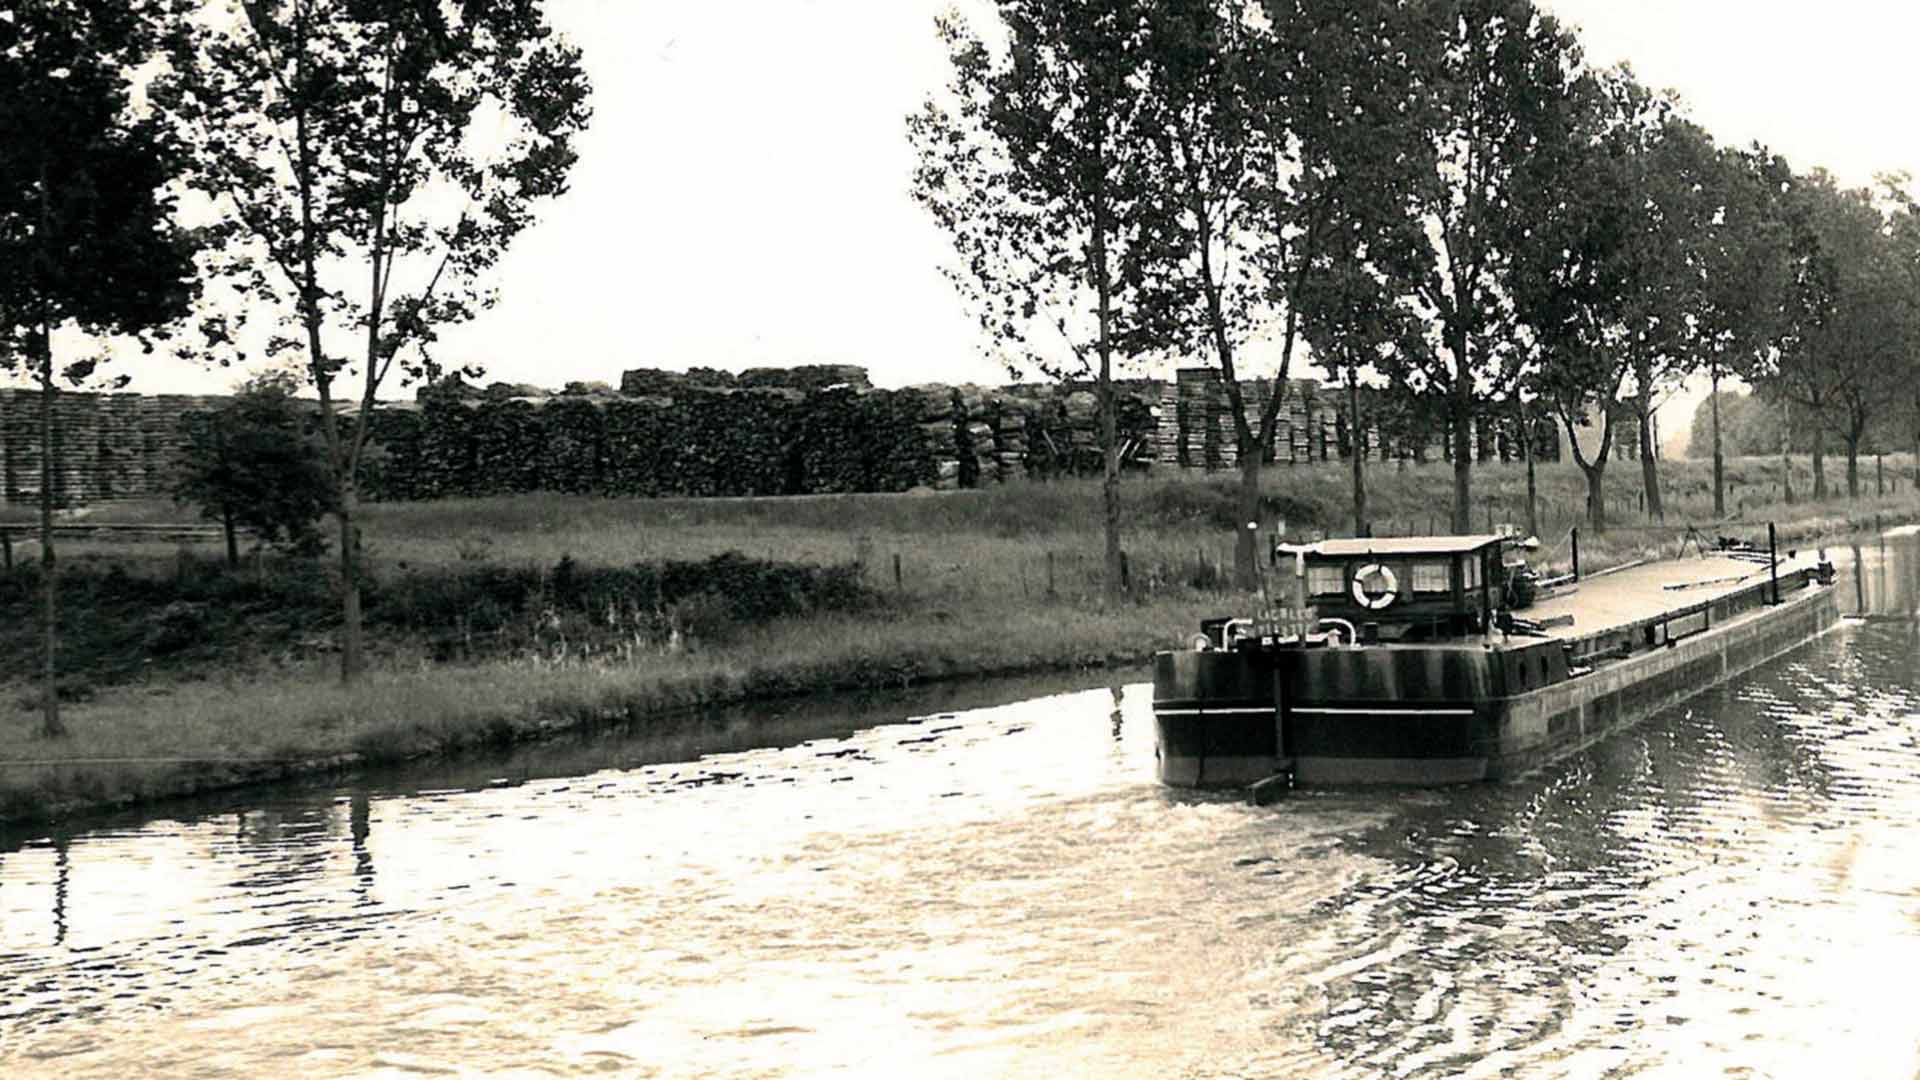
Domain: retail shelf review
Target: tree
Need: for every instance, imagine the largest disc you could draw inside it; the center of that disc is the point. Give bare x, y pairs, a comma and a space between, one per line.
1355, 330
1032, 165
87, 239
1749, 427
1744, 268
1272, 145
1847, 355
1903, 418
372, 160
1497, 79
255, 464
1609, 292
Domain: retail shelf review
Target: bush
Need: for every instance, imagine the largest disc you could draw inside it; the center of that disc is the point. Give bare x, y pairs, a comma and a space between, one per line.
255, 464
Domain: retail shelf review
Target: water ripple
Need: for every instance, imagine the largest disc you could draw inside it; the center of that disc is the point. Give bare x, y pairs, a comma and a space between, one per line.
940, 885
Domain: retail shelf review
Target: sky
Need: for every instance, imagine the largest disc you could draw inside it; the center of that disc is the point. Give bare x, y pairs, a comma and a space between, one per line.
742, 196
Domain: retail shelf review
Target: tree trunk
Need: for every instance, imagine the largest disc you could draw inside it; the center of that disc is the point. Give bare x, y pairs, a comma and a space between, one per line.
1819, 463
51, 725
350, 658
1596, 474
1463, 457
233, 539
1853, 469
1650, 455
1786, 450
1246, 566
1719, 465
1356, 446
1533, 489
219, 422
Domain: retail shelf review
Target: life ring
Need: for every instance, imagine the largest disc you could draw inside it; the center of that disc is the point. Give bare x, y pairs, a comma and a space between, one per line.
1375, 587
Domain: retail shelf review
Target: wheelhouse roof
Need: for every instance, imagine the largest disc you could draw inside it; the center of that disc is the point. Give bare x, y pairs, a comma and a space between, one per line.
1402, 545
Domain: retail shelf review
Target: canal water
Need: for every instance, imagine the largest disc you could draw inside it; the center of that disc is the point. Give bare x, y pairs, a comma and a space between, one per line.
986, 882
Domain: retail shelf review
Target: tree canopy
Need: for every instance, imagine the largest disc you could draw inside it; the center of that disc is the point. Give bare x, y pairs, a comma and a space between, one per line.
371, 160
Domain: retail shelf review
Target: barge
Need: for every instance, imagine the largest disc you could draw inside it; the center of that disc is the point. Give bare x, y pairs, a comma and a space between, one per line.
1436, 660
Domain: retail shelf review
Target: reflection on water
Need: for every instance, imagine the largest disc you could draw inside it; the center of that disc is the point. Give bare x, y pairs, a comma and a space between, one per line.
985, 881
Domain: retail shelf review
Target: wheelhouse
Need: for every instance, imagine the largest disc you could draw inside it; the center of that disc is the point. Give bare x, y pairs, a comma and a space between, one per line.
1402, 588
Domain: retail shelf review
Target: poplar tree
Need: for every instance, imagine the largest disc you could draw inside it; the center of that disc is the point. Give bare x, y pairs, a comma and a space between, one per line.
1274, 145
87, 238
371, 160
1495, 80
1033, 163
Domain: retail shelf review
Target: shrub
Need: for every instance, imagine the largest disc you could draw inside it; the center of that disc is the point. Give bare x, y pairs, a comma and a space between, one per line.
254, 464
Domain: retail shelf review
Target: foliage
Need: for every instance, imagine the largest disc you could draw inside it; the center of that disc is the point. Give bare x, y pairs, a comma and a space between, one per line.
257, 464
1607, 295
87, 238
86, 231
1490, 88
1749, 427
1034, 166
1266, 175
1846, 358
329, 134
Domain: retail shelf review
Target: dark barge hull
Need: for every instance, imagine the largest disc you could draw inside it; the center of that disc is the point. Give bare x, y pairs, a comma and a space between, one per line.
1454, 712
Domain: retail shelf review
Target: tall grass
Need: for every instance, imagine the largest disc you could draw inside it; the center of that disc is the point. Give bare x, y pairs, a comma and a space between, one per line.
998, 580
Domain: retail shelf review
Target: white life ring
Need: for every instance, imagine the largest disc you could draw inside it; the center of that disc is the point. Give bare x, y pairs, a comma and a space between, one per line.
1385, 590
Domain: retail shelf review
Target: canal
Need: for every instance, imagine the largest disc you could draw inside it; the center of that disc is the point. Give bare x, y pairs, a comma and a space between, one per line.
985, 881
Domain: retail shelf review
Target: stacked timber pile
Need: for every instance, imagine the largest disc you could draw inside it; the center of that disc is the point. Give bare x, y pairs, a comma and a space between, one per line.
1221, 450
819, 428
831, 441
105, 446
1010, 436
931, 407
1191, 390
805, 378
1080, 410
1163, 408
1298, 409
973, 422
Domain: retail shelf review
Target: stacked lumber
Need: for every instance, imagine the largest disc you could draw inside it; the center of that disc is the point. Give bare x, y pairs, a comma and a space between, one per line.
636, 436
1165, 441
831, 442
973, 437
571, 455
1010, 436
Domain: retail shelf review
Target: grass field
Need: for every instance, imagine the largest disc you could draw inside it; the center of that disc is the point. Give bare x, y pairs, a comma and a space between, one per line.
975, 582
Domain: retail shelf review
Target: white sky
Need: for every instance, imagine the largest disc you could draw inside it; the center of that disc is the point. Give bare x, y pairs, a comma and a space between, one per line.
742, 196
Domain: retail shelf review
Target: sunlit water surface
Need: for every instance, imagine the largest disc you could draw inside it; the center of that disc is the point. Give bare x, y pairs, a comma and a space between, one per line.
987, 881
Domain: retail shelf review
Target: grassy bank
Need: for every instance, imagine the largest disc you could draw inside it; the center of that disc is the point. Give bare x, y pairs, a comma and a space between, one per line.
172, 694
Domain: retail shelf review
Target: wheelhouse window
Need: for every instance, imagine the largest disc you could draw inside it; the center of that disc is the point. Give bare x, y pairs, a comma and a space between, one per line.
1431, 577
1326, 580
1470, 573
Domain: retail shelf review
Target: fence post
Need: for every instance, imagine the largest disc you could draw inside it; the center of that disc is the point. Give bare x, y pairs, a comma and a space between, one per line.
1576, 552
1773, 560
899, 584
1050, 592
6, 547
1126, 575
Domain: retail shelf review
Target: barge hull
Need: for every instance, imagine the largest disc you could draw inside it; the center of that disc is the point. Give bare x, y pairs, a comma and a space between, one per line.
1441, 715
